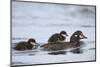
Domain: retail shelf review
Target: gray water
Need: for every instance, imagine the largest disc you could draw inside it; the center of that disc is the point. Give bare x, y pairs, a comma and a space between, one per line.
41, 20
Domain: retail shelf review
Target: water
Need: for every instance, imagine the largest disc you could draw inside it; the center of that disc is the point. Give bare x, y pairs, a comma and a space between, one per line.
40, 21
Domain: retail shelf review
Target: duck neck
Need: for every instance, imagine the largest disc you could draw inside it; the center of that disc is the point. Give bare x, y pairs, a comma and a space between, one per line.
74, 40
28, 42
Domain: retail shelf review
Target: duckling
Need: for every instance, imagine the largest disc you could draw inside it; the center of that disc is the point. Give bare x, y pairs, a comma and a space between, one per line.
58, 37
74, 40
30, 44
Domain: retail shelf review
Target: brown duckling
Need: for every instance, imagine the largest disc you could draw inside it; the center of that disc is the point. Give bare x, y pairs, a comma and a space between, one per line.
74, 40
30, 44
58, 37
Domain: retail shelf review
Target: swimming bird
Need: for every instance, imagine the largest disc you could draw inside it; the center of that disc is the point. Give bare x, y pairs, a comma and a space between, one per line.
58, 37
74, 40
29, 45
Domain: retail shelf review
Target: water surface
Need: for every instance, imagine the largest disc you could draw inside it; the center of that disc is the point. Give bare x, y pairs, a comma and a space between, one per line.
41, 20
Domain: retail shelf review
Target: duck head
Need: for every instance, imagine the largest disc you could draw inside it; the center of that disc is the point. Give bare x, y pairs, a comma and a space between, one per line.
77, 36
63, 33
33, 42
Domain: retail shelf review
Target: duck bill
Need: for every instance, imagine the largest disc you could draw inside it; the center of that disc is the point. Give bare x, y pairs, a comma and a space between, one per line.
83, 37
67, 35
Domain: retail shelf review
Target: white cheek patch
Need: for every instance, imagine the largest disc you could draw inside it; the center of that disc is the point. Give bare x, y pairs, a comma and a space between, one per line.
64, 35
81, 36
33, 43
76, 35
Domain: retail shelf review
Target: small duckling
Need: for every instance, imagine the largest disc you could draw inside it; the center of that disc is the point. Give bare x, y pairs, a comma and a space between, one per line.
29, 45
58, 37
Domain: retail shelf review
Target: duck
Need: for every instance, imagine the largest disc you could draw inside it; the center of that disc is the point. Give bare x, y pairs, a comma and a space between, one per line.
58, 37
74, 40
27, 45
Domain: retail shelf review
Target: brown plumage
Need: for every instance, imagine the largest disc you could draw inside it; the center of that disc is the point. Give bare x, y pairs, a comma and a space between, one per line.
57, 37
30, 44
74, 40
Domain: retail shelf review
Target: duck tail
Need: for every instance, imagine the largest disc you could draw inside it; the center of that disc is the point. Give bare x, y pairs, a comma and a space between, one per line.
15, 48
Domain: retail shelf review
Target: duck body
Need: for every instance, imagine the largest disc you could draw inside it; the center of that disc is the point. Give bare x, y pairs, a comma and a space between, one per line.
74, 41
59, 45
22, 46
26, 45
58, 37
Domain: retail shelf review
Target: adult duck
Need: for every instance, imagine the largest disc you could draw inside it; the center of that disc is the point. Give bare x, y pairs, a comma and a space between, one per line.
74, 40
30, 44
58, 37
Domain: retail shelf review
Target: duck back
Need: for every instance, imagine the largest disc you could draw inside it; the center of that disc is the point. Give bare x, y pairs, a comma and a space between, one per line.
54, 38
21, 46
58, 46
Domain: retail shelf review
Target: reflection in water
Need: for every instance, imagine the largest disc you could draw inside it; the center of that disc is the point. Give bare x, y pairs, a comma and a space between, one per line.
57, 53
77, 51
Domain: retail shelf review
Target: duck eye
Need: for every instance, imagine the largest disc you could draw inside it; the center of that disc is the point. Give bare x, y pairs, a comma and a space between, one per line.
75, 35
